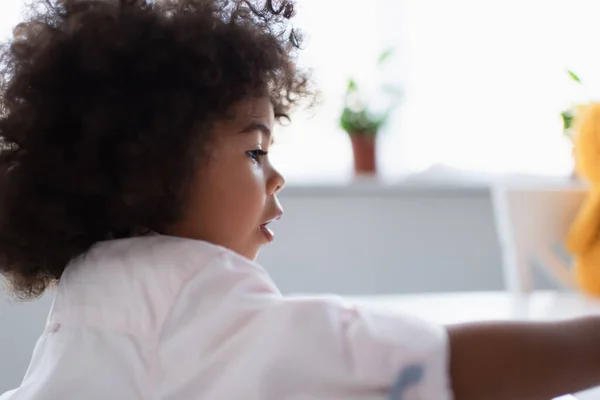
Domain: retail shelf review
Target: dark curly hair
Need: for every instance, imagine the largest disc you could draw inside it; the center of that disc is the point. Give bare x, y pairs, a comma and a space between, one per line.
106, 108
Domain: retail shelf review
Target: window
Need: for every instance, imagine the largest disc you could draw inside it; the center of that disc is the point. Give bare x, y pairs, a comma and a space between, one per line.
484, 82
10, 13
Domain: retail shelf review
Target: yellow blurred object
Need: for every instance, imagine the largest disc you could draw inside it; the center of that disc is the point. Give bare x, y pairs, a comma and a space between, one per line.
584, 236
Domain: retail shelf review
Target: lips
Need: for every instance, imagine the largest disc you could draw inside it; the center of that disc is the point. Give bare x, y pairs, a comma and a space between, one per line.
268, 233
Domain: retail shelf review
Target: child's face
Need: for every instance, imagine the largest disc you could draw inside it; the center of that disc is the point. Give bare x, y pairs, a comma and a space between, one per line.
234, 194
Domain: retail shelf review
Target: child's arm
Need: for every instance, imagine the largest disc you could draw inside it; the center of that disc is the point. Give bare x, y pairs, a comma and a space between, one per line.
524, 360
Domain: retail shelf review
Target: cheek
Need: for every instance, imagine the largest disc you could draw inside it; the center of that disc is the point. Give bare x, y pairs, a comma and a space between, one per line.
235, 192
246, 193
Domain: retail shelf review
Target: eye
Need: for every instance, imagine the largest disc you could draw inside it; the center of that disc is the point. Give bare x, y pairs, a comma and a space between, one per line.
256, 154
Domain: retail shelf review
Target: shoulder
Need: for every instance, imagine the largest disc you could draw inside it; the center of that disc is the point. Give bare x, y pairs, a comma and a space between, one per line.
131, 284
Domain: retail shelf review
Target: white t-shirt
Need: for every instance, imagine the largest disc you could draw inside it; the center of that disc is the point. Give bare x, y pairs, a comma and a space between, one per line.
166, 318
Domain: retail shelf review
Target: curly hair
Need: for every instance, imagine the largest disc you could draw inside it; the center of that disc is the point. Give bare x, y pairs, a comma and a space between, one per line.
106, 108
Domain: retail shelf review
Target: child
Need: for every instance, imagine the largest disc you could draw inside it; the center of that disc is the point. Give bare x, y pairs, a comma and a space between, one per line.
135, 142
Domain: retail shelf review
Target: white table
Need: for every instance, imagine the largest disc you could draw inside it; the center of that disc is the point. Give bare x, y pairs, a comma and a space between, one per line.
467, 307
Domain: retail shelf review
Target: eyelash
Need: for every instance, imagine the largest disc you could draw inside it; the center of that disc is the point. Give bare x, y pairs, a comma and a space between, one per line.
257, 154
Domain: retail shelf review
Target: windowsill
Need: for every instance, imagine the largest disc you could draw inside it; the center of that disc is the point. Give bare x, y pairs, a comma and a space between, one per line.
425, 183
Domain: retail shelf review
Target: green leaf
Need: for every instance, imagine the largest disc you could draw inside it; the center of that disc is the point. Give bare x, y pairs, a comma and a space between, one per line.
385, 56
362, 122
351, 85
574, 76
348, 120
567, 117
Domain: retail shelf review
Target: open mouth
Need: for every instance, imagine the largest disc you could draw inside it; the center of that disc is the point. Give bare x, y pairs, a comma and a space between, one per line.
266, 231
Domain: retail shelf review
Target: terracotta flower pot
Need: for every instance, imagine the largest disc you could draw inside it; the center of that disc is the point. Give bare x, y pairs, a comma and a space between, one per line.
363, 148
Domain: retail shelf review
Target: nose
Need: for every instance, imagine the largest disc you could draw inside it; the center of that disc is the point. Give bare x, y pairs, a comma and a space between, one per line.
276, 182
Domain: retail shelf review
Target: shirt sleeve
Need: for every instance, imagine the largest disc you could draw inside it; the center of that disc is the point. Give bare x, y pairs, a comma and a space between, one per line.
266, 346
394, 356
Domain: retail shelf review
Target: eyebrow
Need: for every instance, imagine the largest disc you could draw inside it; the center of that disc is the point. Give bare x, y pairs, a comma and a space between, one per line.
257, 126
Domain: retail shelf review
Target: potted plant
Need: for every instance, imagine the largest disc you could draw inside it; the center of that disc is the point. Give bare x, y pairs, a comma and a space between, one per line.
362, 123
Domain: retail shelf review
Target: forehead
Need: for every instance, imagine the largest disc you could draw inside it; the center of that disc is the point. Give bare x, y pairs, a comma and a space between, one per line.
254, 108
249, 112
